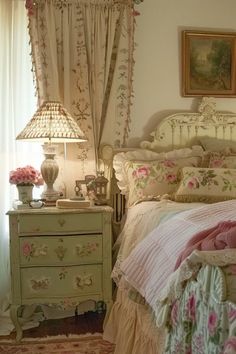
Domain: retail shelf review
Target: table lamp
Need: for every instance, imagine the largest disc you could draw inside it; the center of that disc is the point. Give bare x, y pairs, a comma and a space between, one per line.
51, 123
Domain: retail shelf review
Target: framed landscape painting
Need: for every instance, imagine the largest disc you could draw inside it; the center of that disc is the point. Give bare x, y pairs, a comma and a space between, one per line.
208, 64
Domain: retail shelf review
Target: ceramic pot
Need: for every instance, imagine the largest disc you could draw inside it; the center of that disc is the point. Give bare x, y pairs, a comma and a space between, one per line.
25, 193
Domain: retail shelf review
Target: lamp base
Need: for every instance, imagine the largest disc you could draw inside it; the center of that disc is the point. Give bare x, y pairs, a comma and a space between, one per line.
50, 203
49, 170
50, 196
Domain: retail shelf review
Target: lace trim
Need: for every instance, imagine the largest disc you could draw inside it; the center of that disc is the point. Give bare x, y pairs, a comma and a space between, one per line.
116, 272
190, 268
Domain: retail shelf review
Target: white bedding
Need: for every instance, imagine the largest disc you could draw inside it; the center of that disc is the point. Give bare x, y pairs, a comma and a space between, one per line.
141, 219
151, 263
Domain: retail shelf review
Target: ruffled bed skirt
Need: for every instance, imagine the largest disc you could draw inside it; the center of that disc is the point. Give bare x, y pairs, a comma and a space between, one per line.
131, 327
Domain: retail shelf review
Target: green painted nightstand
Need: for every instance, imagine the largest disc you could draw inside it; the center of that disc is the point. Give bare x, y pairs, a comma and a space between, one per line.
60, 256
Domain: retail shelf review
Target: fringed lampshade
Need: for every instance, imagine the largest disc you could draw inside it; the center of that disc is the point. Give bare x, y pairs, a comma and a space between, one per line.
51, 123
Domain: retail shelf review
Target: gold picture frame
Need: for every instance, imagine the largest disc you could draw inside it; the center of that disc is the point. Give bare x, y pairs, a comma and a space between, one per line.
208, 64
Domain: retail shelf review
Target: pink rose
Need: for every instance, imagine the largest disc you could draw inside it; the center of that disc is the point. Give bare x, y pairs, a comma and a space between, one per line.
39, 181
198, 342
171, 178
26, 249
191, 307
142, 171
29, 5
232, 269
212, 322
216, 163
178, 347
168, 163
193, 183
174, 313
232, 314
230, 345
25, 176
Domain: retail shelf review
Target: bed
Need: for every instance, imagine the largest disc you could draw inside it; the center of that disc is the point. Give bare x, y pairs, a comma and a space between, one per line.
175, 254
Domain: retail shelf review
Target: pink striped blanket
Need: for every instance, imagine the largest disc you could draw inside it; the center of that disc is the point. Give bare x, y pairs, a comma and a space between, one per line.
149, 265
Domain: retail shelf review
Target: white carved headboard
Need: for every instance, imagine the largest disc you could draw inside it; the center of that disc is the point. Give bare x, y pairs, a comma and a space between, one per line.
175, 131
182, 129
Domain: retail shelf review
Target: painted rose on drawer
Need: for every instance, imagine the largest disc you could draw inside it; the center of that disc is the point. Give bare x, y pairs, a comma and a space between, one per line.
31, 250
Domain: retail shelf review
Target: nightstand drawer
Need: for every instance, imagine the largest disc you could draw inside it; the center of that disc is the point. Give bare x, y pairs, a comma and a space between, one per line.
59, 223
54, 282
66, 250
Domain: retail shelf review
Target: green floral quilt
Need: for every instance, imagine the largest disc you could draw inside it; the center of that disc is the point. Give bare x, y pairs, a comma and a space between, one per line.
203, 319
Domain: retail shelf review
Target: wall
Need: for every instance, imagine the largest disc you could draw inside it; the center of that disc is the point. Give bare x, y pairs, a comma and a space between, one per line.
157, 75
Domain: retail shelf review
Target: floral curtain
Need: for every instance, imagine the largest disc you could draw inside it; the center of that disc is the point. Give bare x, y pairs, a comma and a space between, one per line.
82, 52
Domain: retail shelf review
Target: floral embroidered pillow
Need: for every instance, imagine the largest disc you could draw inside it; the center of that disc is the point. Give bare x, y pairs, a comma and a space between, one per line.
220, 160
155, 178
122, 158
207, 185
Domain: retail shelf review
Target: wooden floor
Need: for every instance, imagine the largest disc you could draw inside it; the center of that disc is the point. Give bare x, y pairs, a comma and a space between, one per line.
90, 322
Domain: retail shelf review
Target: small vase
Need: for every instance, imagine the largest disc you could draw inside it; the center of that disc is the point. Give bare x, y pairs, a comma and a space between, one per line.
25, 193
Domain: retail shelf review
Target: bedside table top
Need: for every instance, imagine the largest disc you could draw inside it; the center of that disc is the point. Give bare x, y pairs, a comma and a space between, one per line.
54, 210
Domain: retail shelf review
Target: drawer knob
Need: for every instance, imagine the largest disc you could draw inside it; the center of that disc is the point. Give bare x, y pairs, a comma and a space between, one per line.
60, 252
61, 222
36, 229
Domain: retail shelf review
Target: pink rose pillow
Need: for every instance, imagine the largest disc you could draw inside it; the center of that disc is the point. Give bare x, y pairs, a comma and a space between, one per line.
155, 178
207, 185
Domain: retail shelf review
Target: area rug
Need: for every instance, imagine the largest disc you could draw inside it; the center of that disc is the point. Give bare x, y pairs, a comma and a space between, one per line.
73, 344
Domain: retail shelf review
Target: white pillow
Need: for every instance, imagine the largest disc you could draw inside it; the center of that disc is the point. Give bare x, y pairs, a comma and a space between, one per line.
217, 145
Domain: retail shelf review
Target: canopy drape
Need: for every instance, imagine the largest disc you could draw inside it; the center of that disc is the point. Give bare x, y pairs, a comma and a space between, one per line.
82, 53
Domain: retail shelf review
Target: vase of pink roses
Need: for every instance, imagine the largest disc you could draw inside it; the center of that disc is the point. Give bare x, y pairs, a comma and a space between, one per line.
25, 178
